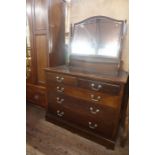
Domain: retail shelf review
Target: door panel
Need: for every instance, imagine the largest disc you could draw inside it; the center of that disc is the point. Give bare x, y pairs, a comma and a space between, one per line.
41, 14
42, 59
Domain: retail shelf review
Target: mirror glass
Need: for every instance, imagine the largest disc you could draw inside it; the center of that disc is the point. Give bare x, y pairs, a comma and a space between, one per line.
97, 37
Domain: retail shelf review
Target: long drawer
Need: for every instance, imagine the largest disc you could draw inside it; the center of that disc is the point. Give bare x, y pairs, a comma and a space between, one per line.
73, 116
87, 95
94, 110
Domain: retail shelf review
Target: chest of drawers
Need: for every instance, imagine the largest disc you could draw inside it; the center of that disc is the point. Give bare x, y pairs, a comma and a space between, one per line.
87, 104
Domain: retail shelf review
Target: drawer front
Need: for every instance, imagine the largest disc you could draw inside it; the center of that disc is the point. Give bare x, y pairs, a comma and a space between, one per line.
61, 79
70, 115
99, 86
36, 97
86, 95
89, 109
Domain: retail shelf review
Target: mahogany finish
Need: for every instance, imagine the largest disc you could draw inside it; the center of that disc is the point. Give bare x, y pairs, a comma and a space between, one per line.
40, 38
61, 78
86, 110
125, 131
46, 44
56, 11
109, 68
100, 86
81, 131
41, 56
70, 102
79, 72
36, 94
86, 96
88, 123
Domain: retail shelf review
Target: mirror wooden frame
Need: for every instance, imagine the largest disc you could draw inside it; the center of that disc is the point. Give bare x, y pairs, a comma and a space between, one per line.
108, 63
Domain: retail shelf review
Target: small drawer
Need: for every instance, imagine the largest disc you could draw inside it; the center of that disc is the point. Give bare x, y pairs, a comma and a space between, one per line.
99, 86
36, 97
61, 78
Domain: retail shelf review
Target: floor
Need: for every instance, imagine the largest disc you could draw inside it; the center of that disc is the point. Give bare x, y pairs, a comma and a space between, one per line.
44, 138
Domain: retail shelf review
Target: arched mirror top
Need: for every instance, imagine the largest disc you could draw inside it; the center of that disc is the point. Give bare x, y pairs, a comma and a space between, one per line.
98, 37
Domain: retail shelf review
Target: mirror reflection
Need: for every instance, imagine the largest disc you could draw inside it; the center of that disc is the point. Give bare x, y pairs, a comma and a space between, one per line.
96, 37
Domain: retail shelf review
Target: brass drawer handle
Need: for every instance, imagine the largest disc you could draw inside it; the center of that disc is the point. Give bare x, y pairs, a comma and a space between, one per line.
60, 89
60, 114
91, 126
59, 79
95, 99
59, 100
96, 88
94, 111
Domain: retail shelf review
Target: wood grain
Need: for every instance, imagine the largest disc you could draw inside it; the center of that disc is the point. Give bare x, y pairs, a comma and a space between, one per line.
71, 105
112, 101
36, 94
41, 14
46, 45
41, 56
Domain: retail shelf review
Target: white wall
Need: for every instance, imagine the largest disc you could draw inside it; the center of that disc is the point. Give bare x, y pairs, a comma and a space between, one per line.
118, 9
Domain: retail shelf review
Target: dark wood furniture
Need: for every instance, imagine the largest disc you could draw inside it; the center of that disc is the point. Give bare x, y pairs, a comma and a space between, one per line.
86, 95
96, 44
46, 24
125, 129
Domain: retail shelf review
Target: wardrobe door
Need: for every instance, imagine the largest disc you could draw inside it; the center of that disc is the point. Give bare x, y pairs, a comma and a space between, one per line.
47, 29
40, 30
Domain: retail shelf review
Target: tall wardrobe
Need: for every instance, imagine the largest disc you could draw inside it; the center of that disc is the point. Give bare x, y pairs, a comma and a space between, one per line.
46, 22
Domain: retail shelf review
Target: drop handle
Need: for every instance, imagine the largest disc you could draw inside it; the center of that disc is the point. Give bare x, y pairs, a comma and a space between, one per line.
92, 126
96, 88
96, 99
59, 100
60, 89
60, 114
94, 111
59, 79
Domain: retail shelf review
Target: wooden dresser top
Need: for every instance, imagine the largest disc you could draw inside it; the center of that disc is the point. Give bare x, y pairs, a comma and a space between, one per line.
74, 71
